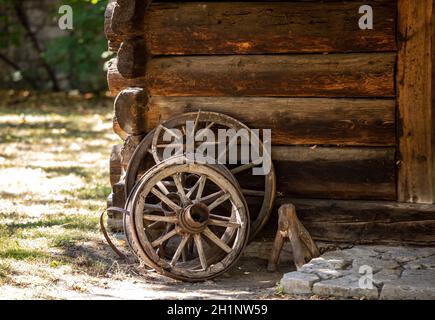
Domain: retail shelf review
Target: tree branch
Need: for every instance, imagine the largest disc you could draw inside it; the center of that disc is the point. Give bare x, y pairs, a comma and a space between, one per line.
16, 67
24, 20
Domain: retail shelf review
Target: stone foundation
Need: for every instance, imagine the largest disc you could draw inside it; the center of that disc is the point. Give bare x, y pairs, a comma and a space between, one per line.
397, 273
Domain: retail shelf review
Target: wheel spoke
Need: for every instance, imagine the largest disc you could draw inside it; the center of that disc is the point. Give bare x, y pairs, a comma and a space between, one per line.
219, 201
151, 217
196, 123
244, 167
209, 234
163, 238
215, 216
210, 197
165, 199
179, 185
226, 224
254, 193
162, 187
153, 225
201, 186
170, 145
152, 207
171, 132
180, 249
200, 249
224, 152
195, 186
201, 134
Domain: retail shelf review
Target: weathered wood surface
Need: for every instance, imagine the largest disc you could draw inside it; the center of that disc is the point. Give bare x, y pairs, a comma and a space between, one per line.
132, 58
127, 15
335, 75
114, 41
192, 28
115, 164
117, 82
117, 129
369, 122
131, 107
335, 173
416, 100
367, 221
118, 195
303, 247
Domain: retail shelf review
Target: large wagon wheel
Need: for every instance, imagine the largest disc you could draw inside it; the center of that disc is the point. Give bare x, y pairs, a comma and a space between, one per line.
259, 191
188, 221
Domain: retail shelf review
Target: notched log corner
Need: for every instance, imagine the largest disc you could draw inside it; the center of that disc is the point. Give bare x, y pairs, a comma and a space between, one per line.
131, 106
128, 16
132, 58
303, 247
114, 42
128, 148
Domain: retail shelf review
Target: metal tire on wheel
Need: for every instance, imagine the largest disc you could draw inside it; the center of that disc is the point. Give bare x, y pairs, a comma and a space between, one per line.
188, 221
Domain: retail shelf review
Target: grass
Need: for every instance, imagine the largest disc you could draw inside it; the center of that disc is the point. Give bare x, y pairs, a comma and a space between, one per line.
54, 178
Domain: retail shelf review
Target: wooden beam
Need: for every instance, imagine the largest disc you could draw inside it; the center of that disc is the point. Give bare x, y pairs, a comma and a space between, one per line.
335, 173
416, 100
365, 221
294, 121
191, 28
335, 75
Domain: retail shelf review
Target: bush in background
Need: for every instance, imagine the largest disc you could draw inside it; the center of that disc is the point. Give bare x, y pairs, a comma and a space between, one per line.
72, 59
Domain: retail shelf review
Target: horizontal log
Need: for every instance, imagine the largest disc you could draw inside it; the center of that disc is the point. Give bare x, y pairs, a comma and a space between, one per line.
293, 121
192, 28
335, 173
367, 221
335, 75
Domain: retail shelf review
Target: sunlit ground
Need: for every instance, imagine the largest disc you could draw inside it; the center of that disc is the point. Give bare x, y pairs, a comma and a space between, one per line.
54, 179
54, 153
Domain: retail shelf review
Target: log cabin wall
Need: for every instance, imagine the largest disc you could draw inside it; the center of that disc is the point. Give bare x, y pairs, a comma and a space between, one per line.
304, 69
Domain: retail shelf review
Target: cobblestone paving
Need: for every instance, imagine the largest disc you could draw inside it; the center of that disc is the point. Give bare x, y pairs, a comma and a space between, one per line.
398, 273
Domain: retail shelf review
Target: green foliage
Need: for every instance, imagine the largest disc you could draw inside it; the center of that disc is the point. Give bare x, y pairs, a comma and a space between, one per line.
78, 54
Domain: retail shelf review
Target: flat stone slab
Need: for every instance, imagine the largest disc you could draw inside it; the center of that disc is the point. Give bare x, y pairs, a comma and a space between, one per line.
367, 272
345, 287
298, 282
413, 284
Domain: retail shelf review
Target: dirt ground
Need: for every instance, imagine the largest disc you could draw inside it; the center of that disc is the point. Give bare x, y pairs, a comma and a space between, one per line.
54, 152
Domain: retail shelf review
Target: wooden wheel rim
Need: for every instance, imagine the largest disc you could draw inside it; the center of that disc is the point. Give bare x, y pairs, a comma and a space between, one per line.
220, 119
142, 245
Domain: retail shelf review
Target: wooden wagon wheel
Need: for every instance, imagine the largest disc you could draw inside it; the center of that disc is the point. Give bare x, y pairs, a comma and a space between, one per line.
259, 191
182, 230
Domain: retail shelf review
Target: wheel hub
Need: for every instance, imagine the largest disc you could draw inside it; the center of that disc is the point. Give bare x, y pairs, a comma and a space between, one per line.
194, 218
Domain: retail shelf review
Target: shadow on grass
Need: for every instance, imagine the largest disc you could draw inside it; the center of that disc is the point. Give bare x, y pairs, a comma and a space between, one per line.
22, 254
79, 222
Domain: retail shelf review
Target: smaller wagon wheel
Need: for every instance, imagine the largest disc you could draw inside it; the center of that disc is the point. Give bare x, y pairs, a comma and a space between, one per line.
188, 221
259, 191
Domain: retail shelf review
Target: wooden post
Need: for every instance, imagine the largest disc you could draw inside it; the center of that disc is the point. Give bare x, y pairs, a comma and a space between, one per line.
303, 247
416, 100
